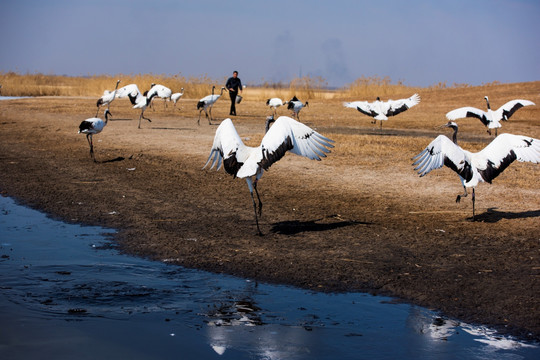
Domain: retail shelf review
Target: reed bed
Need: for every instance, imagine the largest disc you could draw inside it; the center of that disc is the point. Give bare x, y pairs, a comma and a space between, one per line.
305, 88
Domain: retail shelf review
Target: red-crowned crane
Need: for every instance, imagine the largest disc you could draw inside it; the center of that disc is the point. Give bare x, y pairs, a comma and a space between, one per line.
176, 96
206, 104
141, 102
160, 91
474, 168
295, 106
107, 98
381, 110
274, 103
249, 163
491, 119
93, 126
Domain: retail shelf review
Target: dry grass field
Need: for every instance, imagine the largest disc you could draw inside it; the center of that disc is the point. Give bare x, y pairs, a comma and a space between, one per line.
361, 219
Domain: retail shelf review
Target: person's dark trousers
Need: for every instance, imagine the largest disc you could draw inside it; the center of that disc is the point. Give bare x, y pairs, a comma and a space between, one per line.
233, 94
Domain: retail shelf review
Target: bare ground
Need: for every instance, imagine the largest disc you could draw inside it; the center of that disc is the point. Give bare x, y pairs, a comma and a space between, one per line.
359, 220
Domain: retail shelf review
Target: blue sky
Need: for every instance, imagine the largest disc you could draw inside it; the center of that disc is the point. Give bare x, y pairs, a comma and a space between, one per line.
419, 42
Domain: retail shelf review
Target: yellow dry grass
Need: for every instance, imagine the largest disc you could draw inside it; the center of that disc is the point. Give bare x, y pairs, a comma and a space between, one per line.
305, 88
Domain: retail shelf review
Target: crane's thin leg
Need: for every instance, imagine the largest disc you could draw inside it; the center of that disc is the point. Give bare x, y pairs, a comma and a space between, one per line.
199, 120
458, 199
381, 126
91, 143
258, 197
256, 218
473, 201
140, 117
210, 118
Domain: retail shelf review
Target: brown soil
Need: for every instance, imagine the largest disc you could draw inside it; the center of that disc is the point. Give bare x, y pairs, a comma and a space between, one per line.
359, 220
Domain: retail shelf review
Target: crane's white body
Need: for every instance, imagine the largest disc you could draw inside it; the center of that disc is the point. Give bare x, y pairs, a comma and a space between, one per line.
160, 91
107, 97
176, 96
249, 162
381, 110
93, 126
296, 105
274, 103
482, 166
124, 91
491, 119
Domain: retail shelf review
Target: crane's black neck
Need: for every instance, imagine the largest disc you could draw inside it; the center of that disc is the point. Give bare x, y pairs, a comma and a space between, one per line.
488, 106
454, 136
269, 120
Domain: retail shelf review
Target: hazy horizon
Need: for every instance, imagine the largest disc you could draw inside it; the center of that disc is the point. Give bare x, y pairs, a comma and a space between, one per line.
419, 43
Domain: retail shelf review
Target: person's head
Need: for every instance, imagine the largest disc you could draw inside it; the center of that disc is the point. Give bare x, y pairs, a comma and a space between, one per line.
235, 73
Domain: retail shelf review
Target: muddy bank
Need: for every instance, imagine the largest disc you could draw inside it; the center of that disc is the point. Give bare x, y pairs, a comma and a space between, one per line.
350, 222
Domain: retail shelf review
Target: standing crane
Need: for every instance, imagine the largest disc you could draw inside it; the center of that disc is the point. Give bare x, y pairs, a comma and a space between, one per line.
274, 103
206, 104
141, 102
474, 168
91, 127
107, 98
249, 162
176, 96
491, 119
296, 105
381, 110
160, 91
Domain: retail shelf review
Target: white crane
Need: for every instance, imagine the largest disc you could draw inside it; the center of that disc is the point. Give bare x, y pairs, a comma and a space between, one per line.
176, 96
274, 103
474, 168
141, 102
381, 110
124, 91
491, 119
206, 104
296, 105
161, 91
93, 126
248, 162
107, 97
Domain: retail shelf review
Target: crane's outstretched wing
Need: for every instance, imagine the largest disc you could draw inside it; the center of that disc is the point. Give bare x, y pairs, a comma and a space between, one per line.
468, 112
288, 134
227, 142
442, 151
124, 91
399, 106
502, 151
508, 109
363, 106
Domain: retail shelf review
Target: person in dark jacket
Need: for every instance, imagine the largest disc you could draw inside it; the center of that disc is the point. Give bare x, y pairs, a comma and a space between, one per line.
234, 85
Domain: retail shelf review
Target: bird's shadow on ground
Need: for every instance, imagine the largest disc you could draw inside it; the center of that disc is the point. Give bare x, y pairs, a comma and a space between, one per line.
120, 158
492, 215
295, 226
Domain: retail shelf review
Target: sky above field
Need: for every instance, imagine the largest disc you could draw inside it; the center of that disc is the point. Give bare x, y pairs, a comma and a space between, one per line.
418, 42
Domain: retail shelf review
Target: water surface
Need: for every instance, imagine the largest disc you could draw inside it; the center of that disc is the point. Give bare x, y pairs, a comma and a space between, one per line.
67, 293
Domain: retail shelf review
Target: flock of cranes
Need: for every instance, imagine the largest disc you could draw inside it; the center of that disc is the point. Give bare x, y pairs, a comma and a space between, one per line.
288, 134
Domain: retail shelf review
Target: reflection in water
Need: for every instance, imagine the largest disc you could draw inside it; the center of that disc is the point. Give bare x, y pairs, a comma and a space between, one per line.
65, 290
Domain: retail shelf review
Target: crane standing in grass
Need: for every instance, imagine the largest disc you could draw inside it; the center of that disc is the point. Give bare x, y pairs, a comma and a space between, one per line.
491, 119
249, 163
474, 168
91, 127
